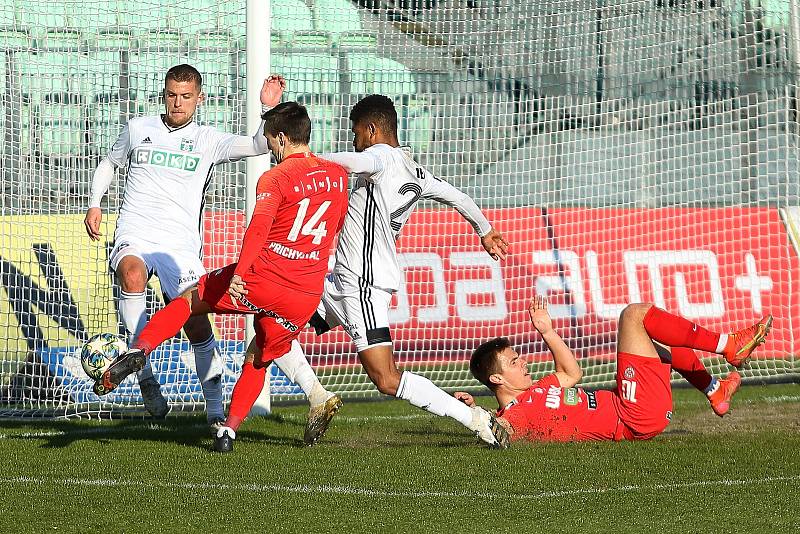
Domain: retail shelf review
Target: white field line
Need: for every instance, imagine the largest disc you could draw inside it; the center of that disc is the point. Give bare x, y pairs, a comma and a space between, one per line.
91, 431
260, 489
782, 398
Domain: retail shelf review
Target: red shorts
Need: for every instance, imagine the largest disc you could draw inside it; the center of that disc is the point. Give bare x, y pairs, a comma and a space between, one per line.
644, 396
281, 313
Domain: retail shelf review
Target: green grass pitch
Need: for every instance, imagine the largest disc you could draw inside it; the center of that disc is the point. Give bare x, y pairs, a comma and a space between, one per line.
386, 467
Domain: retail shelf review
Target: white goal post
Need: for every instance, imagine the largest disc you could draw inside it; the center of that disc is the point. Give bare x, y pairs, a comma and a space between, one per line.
639, 150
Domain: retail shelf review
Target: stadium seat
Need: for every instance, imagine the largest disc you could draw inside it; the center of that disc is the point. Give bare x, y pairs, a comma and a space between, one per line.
61, 125
277, 40
15, 38
309, 72
165, 39
37, 75
374, 74
149, 63
290, 16
415, 124
775, 14
336, 16
38, 16
232, 18
205, 18
314, 80
311, 39
111, 38
26, 133
97, 76
7, 17
215, 68
90, 17
358, 41
370, 74
104, 124
54, 39
131, 15
211, 40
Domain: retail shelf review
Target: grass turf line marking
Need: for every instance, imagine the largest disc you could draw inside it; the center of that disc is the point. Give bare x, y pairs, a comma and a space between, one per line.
104, 430
351, 490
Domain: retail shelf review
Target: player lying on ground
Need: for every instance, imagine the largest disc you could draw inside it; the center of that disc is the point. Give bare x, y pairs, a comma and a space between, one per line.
552, 409
366, 272
157, 229
300, 207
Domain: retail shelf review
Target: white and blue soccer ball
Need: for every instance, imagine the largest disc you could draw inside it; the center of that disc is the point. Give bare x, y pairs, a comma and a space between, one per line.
98, 353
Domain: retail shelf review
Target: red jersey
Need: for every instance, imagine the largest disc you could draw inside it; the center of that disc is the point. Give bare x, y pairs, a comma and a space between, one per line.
305, 197
548, 412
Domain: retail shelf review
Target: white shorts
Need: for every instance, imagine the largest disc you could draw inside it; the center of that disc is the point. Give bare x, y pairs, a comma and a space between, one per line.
362, 310
177, 270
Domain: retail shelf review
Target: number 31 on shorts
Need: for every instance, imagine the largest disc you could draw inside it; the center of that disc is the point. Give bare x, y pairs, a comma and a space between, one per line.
629, 390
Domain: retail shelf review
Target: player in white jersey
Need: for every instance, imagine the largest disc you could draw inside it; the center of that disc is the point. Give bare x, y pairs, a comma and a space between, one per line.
170, 160
366, 272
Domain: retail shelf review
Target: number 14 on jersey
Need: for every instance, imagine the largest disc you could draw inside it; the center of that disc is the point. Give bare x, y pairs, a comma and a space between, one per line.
312, 226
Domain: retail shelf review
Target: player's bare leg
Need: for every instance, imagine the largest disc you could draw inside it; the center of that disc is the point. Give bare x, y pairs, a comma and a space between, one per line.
379, 363
209, 367
324, 403
164, 324
636, 326
132, 277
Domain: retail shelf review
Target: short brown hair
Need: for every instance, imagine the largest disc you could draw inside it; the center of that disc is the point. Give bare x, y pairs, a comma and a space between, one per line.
484, 362
290, 118
378, 109
184, 73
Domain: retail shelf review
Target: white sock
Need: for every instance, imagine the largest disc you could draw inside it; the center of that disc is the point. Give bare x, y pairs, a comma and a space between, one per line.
723, 341
208, 364
133, 312
424, 394
297, 369
712, 388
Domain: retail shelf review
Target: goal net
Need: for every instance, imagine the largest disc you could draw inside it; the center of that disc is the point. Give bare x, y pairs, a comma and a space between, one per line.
637, 151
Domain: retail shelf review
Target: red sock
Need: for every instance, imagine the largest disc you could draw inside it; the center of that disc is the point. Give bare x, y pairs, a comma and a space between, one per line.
245, 393
165, 323
686, 362
676, 331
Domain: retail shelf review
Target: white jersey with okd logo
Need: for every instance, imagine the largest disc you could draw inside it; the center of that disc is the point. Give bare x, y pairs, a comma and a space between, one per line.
169, 171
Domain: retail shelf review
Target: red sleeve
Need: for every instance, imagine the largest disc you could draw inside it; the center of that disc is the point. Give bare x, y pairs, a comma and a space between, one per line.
269, 195
547, 381
255, 237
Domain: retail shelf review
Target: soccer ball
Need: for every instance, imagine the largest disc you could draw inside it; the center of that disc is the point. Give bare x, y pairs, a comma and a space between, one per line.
98, 353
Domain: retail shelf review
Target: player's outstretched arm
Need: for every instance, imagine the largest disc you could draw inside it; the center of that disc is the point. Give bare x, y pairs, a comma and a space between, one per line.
102, 178
492, 240
568, 371
355, 162
234, 147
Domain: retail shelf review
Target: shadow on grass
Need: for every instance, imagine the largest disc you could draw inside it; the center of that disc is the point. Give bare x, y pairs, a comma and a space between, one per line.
190, 432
